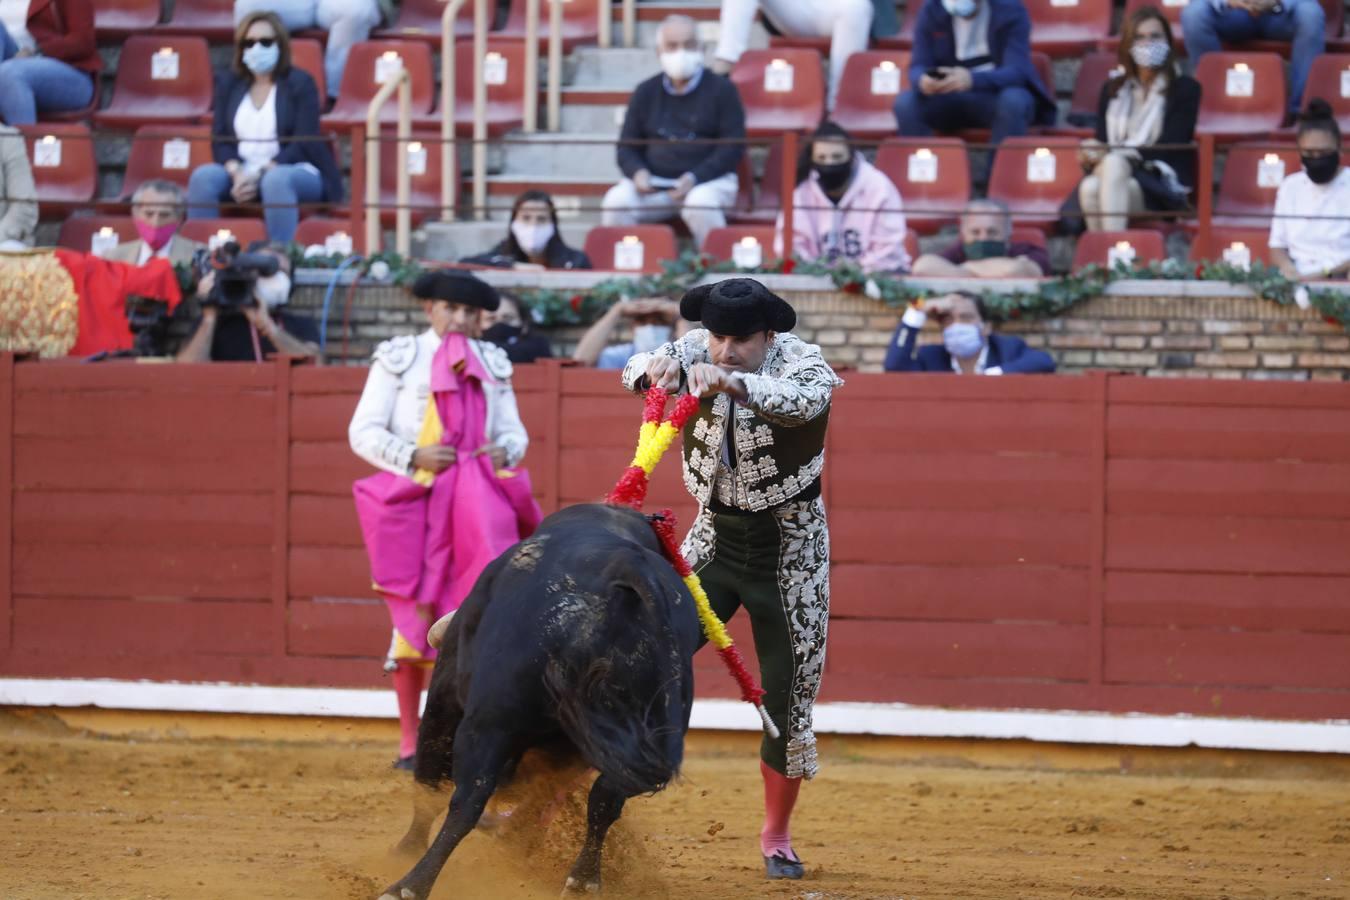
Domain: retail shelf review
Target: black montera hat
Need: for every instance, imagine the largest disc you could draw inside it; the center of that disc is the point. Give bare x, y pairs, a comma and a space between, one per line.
457, 287
737, 307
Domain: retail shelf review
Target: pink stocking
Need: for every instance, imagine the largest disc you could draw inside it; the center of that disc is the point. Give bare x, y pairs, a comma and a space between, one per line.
408, 687
780, 796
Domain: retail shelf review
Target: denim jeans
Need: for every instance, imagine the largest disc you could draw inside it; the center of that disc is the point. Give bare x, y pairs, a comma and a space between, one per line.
1005, 113
281, 190
347, 22
1302, 22
38, 83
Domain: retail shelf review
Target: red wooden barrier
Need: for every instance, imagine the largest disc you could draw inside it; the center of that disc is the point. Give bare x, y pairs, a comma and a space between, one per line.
1102, 542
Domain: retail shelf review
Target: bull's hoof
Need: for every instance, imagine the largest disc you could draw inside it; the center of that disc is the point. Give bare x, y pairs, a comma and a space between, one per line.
575, 885
403, 894
779, 866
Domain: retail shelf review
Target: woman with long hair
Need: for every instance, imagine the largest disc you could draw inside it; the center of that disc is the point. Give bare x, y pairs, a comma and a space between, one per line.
532, 239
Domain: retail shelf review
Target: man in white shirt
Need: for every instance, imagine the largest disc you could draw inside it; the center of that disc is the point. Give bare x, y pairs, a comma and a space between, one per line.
158, 210
1310, 234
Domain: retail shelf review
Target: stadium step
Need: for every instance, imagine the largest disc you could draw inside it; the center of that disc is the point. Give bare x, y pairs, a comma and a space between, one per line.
615, 67
545, 156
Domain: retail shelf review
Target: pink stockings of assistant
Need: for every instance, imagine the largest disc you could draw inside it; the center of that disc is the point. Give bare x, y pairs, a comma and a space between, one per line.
408, 679
780, 796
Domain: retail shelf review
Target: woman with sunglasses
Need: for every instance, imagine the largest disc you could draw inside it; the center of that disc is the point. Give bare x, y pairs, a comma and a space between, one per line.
265, 139
49, 58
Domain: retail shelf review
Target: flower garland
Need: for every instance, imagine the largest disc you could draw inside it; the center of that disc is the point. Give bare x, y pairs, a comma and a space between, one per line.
654, 439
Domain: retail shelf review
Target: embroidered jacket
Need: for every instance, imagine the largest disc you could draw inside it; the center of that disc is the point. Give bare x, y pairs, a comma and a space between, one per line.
779, 430
388, 418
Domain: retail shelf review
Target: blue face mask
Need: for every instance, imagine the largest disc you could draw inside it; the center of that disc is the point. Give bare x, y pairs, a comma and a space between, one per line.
963, 340
962, 9
262, 60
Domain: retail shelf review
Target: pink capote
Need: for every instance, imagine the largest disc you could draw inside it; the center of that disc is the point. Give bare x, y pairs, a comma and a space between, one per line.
427, 546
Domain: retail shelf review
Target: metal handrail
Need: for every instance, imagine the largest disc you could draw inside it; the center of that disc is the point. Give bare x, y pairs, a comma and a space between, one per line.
449, 159
402, 83
531, 66
605, 10
480, 29
555, 10
630, 23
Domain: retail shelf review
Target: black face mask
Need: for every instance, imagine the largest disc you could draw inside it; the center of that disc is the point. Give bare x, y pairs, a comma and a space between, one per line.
501, 333
834, 176
1321, 169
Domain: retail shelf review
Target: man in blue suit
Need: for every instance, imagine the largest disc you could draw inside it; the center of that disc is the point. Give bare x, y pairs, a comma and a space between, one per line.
968, 346
971, 68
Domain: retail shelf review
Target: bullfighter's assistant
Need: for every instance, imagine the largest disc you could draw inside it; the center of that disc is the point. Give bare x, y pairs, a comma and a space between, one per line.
753, 457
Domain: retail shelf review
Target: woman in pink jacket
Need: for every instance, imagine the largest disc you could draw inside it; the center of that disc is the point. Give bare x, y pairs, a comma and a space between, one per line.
844, 207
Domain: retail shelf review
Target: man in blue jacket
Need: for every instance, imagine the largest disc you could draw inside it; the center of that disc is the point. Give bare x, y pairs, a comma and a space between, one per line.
971, 68
968, 346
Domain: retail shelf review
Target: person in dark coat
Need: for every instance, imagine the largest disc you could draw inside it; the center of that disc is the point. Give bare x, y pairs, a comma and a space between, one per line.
968, 345
266, 141
510, 327
1149, 104
532, 239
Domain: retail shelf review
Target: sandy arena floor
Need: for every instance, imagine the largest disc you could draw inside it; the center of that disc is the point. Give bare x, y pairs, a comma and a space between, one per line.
111, 806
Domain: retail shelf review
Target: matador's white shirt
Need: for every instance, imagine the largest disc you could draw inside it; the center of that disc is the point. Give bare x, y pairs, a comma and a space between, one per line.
388, 419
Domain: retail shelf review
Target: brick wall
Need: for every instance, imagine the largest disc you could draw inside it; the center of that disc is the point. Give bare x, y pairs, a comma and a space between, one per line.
1177, 329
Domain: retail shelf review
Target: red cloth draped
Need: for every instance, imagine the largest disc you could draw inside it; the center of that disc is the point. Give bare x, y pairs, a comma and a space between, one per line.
103, 287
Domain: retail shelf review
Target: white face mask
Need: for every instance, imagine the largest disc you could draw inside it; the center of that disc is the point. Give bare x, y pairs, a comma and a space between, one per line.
681, 65
647, 338
273, 290
532, 237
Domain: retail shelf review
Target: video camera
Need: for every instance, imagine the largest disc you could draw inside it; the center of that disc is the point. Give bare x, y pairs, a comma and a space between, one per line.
235, 273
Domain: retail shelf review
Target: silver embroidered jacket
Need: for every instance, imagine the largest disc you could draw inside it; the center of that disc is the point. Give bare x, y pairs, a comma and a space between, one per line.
780, 429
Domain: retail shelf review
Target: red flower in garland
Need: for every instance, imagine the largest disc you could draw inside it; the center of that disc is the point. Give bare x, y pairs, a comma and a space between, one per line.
575, 303
1199, 270
1331, 320
788, 266
852, 287
1015, 312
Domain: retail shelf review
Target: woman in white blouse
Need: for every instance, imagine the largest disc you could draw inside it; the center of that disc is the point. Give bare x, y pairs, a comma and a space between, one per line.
1310, 234
266, 140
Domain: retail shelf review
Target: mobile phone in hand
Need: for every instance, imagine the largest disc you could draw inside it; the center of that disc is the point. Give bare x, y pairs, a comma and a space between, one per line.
936, 74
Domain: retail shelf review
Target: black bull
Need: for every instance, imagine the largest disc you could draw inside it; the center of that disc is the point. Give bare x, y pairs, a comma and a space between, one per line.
583, 635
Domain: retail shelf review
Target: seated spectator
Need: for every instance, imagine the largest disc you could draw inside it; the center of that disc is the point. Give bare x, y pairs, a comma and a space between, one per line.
157, 209
986, 249
971, 68
265, 138
847, 23
666, 168
1152, 103
969, 346
251, 332
1310, 234
49, 60
845, 208
654, 322
347, 22
18, 193
511, 328
1209, 24
532, 239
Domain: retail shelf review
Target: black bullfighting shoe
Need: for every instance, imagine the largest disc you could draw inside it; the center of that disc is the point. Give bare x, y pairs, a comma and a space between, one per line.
405, 763
779, 866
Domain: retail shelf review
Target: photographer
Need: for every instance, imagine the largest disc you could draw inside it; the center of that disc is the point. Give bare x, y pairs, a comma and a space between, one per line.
241, 320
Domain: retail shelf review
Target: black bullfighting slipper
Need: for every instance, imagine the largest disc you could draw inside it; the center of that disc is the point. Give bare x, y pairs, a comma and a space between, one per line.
404, 763
779, 866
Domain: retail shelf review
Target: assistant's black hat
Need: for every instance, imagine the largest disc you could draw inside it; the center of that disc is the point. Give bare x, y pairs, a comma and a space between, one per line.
737, 307
456, 287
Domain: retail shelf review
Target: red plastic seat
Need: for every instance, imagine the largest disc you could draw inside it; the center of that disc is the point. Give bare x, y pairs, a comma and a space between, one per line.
720, 242
795, 108
930, 202
1034, 203
580, 23
245, 231
77, 232
114, 19
505, 101
760, 204
863, 110
307, 54
212, 20
317, 229
1087, 89
424, 195
1325, 80
141, 99
1233, 117
658, 245
359, 86
1223, 237
1095, 247
1068, 27
1243, 199
61, 156
819, 44
1034, 236
420, 20
147, 159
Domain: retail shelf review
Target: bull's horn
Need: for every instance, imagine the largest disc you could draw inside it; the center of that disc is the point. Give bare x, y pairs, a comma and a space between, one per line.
437, 632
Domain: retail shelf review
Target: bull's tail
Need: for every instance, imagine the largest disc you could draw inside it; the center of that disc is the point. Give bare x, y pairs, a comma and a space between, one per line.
625, 713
